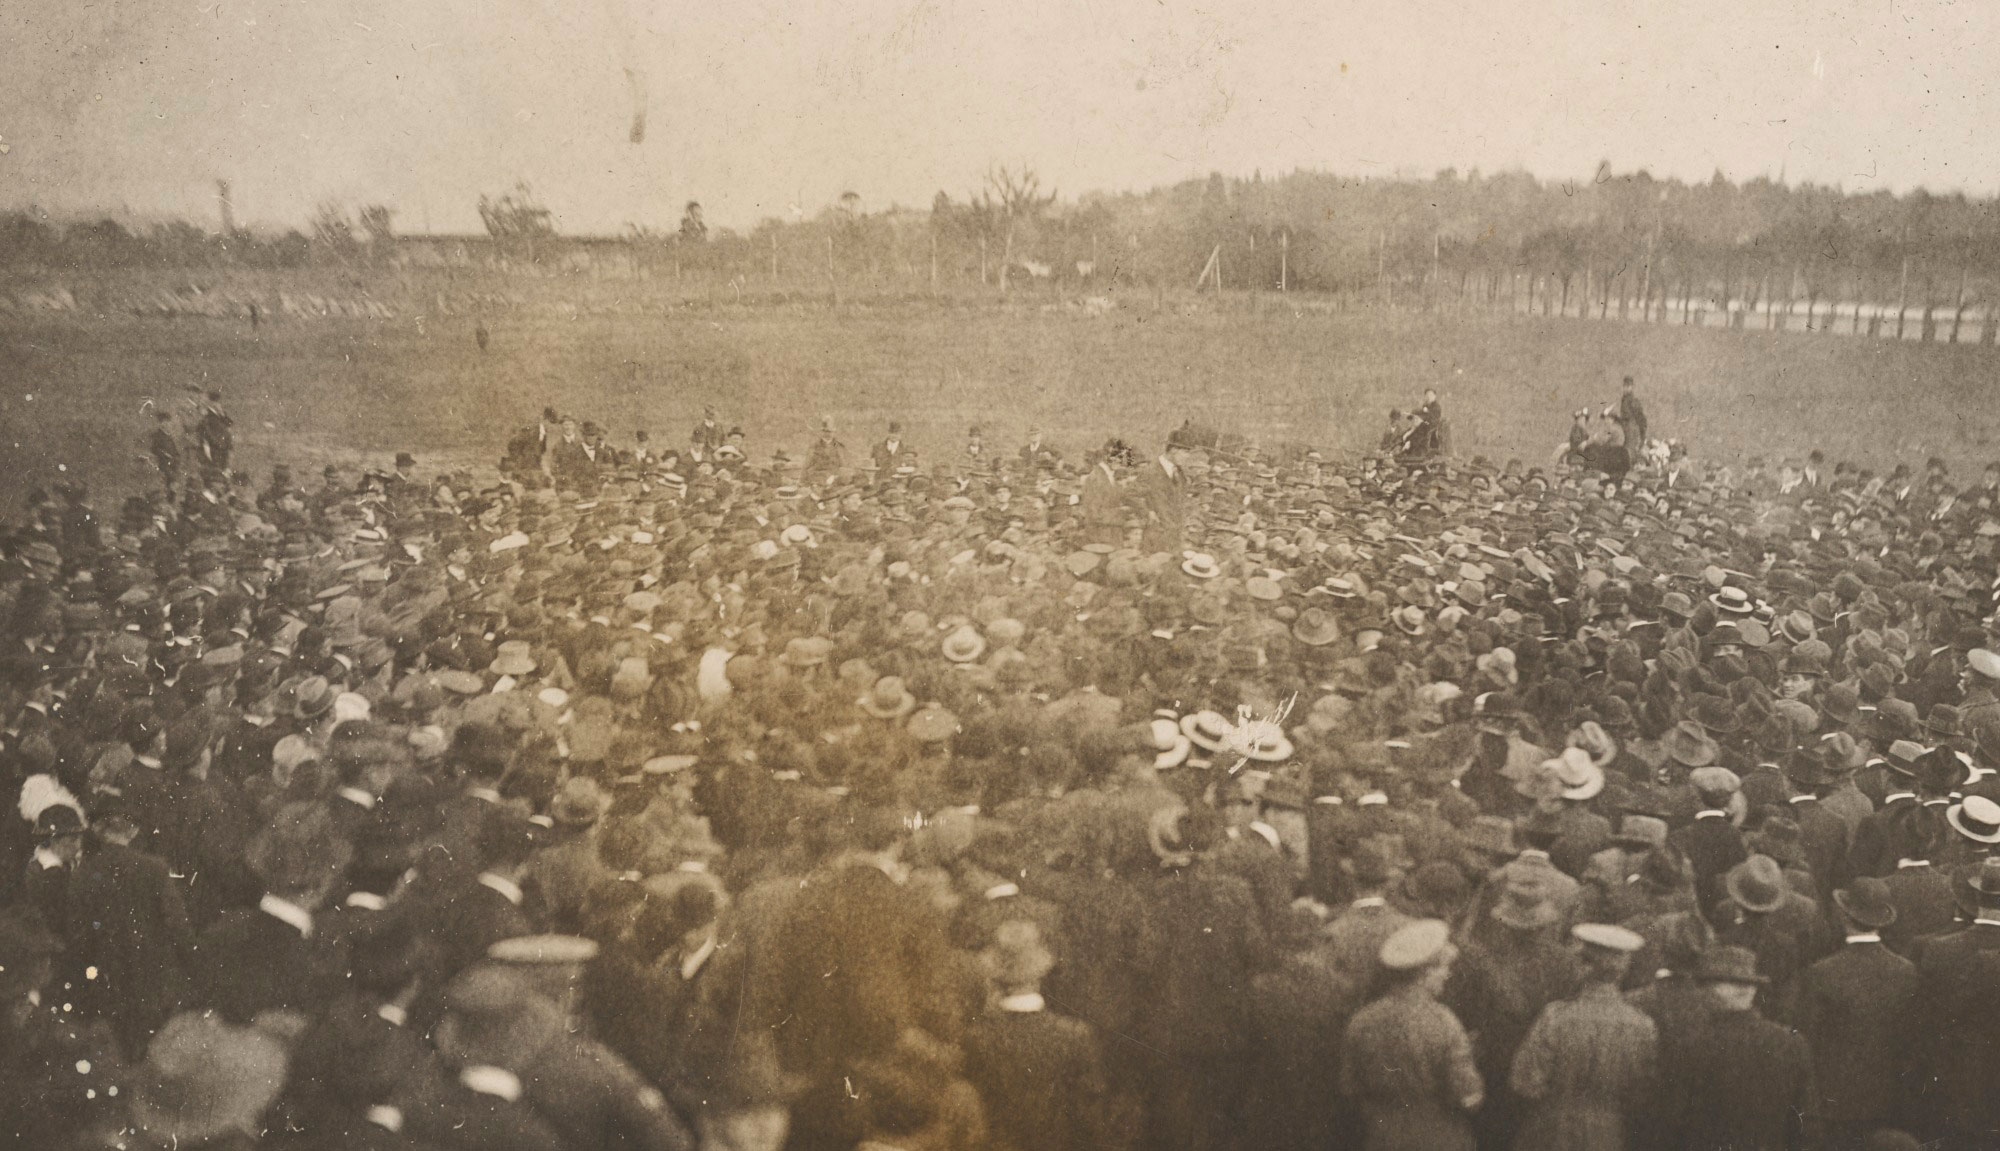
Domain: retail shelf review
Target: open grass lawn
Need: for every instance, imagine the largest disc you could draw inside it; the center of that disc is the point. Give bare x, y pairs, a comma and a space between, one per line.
344, 389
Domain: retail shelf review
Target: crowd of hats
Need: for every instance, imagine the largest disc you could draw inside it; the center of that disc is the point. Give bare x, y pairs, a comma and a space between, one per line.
1477, 689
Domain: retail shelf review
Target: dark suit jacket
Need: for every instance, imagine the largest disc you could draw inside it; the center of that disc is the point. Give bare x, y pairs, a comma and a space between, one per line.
1751, 1086
120, 912
249, 962
857, 960
471, 918
1825, 838
1899, 830
1959, 1018
1204, 942
1041, 1079
464, 1120
1712, 847
592, 1098
1855, 1011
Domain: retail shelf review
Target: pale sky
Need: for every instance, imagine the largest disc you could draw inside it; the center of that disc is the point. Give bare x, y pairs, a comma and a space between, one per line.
763, 106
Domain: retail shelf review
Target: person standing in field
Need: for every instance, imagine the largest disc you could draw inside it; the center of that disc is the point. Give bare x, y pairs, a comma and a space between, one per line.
707, 437
164, 446
214, 435
1432, 439
1391, 443
1162, 498
1101, 503
528, 450
888, 453
829, 455
1632, 416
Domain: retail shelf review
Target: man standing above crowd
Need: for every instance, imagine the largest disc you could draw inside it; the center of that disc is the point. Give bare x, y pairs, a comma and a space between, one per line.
707, 437
890, 451
829, 455
1035, 453
1632, 416
1162, 495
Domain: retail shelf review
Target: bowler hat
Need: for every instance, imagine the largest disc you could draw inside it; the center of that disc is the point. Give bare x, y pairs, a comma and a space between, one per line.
1986, 881
1867, 902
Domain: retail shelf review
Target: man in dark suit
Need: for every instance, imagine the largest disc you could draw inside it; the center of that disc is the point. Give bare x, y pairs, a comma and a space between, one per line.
1632, 414
1753, 1083
1854, 1010
476, 910
1892, 831
1958, 1016
1712, 843
508, 1040
1038, 1072
272, 958
1035, 453
891, 449
1205, 943
1920, 891
1161, 492
570, 465
858, 959
1823, 835
125, 931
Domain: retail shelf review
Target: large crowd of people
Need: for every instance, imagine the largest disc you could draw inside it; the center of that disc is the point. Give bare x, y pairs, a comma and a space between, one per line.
710, 796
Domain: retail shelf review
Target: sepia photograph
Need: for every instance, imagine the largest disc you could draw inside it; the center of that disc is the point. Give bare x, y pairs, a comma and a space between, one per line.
933, 575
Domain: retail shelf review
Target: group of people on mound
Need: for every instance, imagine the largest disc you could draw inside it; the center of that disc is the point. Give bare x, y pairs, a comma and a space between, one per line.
1024, 801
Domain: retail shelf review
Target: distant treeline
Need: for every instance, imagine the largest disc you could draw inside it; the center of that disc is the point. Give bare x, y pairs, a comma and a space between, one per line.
1461, 239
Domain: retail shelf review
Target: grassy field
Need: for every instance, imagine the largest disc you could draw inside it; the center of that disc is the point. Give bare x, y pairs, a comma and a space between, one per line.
76, 389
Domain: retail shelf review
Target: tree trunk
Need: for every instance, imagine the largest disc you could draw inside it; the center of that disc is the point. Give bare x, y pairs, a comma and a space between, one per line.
1902, 297
1006, 256
1958, 312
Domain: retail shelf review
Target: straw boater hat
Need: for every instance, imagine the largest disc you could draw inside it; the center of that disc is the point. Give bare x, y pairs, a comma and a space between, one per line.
1207, 729
1976, 818
1201, 565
